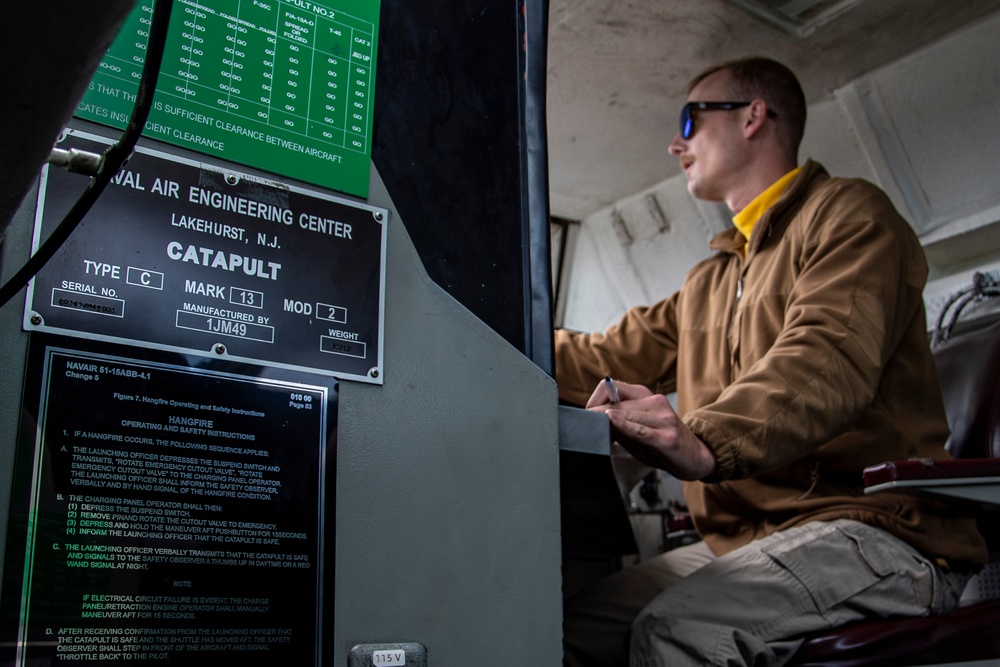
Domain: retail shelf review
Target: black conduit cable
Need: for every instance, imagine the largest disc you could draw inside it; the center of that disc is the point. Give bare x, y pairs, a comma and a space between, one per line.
969, 298
113, 160
939, 328
985, 293
983, 287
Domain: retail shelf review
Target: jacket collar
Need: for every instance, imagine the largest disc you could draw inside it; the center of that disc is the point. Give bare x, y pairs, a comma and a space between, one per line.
776, 217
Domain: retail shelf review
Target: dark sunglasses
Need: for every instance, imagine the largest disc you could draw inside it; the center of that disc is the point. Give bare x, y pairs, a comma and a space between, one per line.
687, 119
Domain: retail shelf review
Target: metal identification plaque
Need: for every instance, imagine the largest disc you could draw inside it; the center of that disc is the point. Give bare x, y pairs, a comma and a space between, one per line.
187, 257
166, 514
285, 86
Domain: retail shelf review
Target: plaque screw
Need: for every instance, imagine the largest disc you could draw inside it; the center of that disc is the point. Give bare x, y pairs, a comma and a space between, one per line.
373, 373
231, 179
220, 348
36, 320
379, 216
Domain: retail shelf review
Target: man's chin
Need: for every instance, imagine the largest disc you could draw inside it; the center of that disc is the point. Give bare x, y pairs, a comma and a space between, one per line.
698, 191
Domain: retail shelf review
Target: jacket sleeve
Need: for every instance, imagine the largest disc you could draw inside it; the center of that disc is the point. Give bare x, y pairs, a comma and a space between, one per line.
640, 349
856, 289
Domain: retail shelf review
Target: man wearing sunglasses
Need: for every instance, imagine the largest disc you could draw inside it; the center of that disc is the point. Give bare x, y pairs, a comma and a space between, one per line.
799, 356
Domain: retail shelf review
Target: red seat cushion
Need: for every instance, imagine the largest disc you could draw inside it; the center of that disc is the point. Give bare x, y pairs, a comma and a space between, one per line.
972, 632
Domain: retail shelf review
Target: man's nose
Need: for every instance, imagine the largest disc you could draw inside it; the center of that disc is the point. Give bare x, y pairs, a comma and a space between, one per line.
677, 145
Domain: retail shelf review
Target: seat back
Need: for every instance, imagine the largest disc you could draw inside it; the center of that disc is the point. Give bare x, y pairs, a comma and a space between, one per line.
968, 367
969, 370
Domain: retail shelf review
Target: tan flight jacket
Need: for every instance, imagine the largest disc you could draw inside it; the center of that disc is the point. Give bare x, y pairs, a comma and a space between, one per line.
798, 366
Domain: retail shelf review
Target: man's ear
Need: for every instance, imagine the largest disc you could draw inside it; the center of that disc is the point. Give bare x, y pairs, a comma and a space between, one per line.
754, 117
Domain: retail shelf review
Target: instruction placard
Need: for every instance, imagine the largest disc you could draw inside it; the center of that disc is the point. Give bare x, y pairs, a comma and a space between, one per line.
285, 86
166, 513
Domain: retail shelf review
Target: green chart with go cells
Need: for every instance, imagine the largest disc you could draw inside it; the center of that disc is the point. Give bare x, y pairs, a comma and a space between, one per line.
284, 86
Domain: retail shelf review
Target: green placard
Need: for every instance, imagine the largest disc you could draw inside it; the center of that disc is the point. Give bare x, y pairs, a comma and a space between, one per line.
285, 86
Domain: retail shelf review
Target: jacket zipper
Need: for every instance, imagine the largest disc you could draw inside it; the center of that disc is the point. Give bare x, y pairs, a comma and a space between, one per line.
736, 302
733, 344
814, 478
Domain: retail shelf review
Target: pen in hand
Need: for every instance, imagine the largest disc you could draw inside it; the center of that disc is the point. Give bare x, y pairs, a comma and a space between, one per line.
613, 398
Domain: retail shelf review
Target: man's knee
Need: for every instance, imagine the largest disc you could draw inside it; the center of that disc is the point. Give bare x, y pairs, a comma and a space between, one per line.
660, 638
650, 635
597, 621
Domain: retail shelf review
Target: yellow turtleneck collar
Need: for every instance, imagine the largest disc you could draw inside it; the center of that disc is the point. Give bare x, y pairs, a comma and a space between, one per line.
746, 219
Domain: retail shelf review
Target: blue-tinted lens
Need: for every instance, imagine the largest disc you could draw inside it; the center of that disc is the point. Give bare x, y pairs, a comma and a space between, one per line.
687, 122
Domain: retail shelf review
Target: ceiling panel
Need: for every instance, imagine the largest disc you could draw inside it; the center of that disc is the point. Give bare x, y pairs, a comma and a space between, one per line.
618, 72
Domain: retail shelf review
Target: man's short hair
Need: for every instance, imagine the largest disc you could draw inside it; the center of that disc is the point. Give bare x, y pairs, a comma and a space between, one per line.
769, 80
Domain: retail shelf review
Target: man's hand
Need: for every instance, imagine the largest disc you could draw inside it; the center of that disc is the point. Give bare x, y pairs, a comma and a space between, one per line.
646, 425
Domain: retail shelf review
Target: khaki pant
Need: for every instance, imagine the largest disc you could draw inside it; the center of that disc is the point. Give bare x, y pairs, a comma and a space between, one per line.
687, 607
